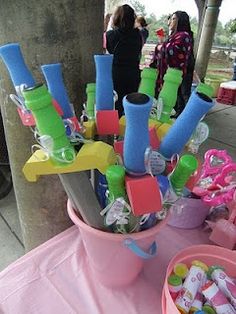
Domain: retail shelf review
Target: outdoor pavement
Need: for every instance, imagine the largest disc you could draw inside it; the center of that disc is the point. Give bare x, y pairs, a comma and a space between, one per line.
222, 123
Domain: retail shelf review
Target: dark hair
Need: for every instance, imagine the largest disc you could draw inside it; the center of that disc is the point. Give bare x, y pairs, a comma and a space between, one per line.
106, 21
183, 22
124, 17
142, 21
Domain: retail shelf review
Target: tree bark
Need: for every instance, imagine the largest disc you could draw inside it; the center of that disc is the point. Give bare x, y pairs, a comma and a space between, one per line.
201, 5
65, 31
207, 36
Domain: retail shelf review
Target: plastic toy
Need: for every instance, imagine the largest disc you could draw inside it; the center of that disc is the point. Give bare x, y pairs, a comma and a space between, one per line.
168, 94
121, 215
137, 109
186, 165
181, 131
90, 103
104, 83
95, 155
49, 123
148, 82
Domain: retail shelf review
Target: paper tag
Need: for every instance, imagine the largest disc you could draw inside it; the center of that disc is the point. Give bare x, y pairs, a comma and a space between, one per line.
170, 196
199, 136
47, 142
154, 162
115, 212
201, 133
159, 106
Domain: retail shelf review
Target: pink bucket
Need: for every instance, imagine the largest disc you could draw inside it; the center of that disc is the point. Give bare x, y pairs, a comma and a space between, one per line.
188, 213
209, 254
116, 259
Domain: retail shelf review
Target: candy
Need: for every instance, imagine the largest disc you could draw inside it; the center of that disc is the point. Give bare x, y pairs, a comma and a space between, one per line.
218, 300
197, 303
225, 284
190, 287
174, 285
181, 270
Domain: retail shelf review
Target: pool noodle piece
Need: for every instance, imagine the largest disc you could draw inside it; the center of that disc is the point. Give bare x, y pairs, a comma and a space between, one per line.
137, 108
104, 82
144, 194
107, 122
181, 131
55, 84
12, 56
154, 140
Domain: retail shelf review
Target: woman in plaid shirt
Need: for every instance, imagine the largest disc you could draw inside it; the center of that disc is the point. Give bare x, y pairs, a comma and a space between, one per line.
176, 52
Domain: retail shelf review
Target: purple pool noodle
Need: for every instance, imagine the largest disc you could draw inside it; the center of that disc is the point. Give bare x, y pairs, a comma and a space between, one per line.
12, 57
181, 131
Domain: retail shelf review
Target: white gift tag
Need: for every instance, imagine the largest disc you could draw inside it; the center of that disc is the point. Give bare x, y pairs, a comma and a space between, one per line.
115, 212
159, 106
199, 136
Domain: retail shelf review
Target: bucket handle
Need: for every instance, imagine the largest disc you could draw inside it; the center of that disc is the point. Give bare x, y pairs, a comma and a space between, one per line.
133, 246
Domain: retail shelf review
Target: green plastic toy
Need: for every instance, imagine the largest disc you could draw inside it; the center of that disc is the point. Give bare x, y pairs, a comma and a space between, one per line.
205, 89
90, 103
185, 167
168, 94
148, 81
115, 176
49, 124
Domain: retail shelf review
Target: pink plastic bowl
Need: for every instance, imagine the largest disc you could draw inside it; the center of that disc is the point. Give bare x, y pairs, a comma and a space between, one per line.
112, 263
188, 213
209, 254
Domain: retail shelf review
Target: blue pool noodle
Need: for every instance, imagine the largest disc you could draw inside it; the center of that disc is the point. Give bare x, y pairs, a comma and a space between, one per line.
184, 126
104, 82
136, 138
56, 87
12, 57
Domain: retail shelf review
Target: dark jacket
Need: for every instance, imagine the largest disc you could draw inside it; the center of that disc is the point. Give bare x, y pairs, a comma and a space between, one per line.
126, 47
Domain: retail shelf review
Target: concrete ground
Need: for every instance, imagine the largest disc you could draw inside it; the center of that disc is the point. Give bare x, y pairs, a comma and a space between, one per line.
221, 121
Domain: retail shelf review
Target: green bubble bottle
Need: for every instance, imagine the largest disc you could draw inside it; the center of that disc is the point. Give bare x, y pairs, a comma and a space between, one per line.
90, 103
148, 81
115, 176
205, 89
186, 166
168, 94
49, 123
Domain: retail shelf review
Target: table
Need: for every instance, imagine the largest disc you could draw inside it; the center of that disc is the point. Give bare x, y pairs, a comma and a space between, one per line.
55, 278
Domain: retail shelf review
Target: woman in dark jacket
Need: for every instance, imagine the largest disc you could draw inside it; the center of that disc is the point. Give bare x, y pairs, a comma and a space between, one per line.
125, 43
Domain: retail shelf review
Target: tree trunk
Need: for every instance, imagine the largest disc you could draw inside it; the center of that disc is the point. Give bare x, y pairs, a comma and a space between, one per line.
207, 37
201, 5
65, 31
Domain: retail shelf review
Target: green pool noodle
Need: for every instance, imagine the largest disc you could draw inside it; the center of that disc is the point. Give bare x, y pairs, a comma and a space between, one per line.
48, 121
90, 103
205, 89
168, 93
115, 176
148, 81
183, 170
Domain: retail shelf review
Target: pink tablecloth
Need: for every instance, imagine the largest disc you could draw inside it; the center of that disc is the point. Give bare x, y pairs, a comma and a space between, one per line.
55, 278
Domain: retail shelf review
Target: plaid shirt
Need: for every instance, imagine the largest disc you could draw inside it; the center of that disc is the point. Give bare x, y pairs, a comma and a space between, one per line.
172, 53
